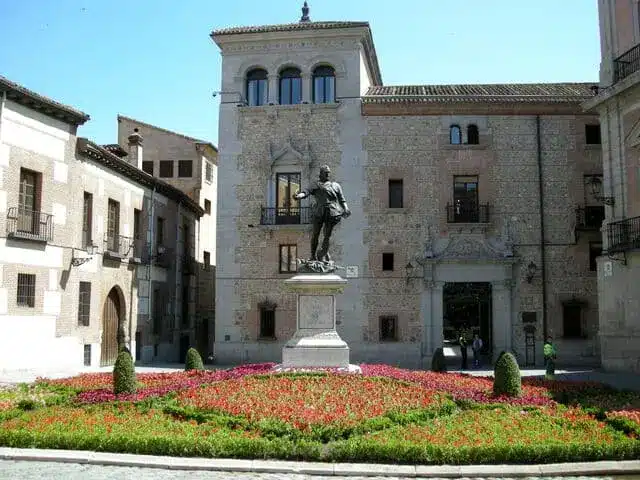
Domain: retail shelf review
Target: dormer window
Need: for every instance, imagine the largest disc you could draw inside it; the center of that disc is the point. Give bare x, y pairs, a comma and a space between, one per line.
473, 136
257, 87
455, 135
290, 86
324, 85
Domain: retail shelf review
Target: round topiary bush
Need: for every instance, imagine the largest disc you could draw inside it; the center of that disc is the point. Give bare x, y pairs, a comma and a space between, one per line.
438, 362
507, 379
124, 374
193, 360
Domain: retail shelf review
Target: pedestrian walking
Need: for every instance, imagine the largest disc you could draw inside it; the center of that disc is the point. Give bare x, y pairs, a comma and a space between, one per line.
463, 341
476, 347
549, 359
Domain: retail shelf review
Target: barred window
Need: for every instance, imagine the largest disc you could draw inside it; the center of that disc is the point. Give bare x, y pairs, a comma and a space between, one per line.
208, 172
26, 290
267, 323
84, 304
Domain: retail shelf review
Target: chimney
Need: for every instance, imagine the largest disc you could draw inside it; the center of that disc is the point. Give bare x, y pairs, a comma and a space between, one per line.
135, 149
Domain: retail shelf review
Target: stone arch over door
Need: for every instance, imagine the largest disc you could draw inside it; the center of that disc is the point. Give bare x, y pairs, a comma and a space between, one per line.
113, 325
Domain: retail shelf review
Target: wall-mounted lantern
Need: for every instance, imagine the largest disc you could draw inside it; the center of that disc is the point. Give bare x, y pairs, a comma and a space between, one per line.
91, 250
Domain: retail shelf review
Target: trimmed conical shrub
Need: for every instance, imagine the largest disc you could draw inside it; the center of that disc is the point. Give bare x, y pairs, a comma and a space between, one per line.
439, 362
193, 360
507, 379
124, 374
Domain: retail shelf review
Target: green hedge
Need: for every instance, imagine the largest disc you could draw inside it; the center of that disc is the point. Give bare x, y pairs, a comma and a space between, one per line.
352, 450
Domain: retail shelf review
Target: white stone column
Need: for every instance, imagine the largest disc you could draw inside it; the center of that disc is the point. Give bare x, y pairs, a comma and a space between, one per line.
501, 316
273, 89
437, 313
427, 318
306, 87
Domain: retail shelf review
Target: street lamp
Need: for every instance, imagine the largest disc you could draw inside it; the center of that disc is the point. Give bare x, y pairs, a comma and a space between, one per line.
595, 185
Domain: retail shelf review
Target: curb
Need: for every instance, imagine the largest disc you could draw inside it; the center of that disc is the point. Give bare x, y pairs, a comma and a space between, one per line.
629, 467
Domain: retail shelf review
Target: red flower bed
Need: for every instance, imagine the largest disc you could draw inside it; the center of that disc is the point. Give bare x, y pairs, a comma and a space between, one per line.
309, 400
98, 387
633, 415
461, 386
506, 426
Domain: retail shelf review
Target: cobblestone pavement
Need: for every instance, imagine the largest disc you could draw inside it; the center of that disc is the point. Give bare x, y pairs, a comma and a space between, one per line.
23, 470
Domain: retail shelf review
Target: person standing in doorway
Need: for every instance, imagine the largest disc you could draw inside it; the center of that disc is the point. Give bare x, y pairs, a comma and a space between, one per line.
549, 359
476, 346
464, 341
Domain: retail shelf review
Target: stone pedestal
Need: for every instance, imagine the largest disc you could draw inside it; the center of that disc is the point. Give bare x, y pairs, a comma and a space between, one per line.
316, 343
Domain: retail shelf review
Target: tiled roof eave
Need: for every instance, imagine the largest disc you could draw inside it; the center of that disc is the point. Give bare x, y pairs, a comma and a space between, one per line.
473, 99
115, 163
19, 94
286, 27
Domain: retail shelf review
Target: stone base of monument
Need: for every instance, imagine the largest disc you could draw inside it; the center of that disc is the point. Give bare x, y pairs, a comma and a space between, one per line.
316, 344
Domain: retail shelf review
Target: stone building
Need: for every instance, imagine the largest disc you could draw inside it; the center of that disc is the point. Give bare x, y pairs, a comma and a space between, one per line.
87, 247
190, 165
469, 202
617, 101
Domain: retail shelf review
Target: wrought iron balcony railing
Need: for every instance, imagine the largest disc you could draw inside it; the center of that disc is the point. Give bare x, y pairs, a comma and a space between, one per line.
285, 216
118, 246
626, 64
623, 235
589, 217
29, 225
461, 213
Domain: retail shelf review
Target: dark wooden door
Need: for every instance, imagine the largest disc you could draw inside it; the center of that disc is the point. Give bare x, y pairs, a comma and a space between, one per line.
110, 324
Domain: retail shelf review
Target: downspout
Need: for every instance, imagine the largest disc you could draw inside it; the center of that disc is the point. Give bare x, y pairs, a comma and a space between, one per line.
542, 230
179, 265
149, 265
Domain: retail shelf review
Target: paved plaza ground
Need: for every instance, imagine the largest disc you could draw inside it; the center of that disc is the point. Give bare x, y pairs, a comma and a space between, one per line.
53, 471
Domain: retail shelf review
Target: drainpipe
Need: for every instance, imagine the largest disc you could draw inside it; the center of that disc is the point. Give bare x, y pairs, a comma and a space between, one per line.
542, 230
150, 251
177, 269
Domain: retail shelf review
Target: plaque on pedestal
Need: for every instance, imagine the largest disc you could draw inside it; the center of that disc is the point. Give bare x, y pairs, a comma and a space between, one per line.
316, 343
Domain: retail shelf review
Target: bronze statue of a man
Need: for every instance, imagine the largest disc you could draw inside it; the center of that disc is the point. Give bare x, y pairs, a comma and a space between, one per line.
330, 207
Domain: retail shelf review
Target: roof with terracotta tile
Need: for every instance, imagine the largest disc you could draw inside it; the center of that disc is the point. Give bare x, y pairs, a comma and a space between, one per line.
287, 27
45, 105
507, 92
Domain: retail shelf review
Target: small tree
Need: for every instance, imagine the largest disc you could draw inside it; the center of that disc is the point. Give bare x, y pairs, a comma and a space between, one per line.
507, 379
193, 360
124, 374
438, 362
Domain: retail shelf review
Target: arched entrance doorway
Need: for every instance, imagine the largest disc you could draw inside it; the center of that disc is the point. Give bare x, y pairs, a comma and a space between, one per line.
112, 319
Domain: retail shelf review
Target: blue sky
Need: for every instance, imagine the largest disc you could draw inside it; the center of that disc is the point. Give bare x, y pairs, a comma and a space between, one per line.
153, 59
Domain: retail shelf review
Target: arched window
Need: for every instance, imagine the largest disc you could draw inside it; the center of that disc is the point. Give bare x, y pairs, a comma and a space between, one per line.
257, 87
290, 86
473, 136
324, 85
455, 135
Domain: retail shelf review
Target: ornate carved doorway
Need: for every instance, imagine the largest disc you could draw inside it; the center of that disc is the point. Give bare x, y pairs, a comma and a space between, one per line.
467, 303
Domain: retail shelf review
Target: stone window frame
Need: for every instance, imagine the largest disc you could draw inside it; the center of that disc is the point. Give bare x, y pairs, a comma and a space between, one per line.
289, 247
473, 133
26, 286
266, 314
394, 337
329, 72
306, 66
84, 304
455, 133
390, 258
396, 182
185, 168
590, 134
290, 73
256, 73
163, 172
